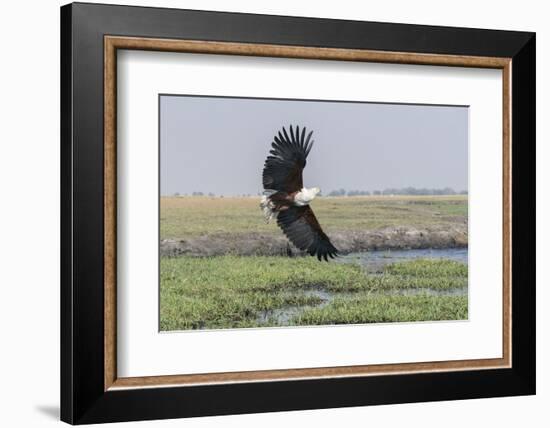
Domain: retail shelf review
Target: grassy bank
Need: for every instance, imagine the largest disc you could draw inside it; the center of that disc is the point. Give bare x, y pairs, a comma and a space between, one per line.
231, 292
188, 217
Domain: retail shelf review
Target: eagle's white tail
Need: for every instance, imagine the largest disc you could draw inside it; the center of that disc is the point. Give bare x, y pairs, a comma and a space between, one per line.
267, 207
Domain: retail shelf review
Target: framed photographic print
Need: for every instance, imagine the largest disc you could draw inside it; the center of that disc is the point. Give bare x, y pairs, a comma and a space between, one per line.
265, 213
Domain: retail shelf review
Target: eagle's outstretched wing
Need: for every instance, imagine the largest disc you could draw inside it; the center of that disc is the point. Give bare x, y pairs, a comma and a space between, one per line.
302, 228
283, 167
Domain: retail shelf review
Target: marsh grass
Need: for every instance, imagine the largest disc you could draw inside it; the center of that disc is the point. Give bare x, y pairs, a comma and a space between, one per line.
434, 274
191, 216
232, 292
368, 308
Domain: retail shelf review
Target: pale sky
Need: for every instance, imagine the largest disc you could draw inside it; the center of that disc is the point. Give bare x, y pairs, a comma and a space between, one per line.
219, 145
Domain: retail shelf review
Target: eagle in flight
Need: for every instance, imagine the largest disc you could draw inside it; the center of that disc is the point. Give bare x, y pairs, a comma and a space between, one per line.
286, 197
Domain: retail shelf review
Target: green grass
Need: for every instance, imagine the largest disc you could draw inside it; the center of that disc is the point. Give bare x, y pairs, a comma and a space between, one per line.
232, 292
186, 217
368, 308
432, 273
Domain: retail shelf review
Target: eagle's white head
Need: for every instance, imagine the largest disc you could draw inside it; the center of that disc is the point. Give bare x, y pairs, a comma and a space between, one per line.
305, 196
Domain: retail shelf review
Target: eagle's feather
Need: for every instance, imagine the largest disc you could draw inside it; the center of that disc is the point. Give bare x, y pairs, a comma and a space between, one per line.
283, 167
300, 225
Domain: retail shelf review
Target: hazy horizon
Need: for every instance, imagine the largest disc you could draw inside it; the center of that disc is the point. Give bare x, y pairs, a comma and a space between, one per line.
219, 145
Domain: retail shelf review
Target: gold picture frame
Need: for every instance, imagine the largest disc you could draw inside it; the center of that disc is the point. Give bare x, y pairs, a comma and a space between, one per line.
114, 43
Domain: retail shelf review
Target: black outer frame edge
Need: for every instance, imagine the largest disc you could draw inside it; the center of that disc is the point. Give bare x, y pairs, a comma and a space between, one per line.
524, 215
300, 31
66, 306
169, 403
82, 397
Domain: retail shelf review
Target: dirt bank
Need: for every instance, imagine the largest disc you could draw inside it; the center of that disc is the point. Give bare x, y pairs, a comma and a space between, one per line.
248, 244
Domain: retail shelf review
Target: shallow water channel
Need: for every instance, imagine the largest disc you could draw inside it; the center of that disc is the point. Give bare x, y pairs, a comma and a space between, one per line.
373, 262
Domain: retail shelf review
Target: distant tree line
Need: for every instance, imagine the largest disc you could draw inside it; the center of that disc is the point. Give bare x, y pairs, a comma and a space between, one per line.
400, 191
344, 192
209, 194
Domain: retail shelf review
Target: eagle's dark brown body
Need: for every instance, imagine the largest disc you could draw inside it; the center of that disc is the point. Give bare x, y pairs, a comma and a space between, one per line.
282, 201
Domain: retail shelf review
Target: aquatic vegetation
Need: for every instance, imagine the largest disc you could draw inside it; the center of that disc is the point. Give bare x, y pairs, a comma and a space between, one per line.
232, 292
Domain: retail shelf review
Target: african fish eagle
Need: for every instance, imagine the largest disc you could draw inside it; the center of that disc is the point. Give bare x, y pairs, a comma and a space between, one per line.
286, 197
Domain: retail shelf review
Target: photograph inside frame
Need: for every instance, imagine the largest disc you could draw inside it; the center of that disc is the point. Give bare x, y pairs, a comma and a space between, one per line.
289, 212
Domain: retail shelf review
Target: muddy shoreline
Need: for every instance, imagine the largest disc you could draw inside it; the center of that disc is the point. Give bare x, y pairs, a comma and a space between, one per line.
347, 241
